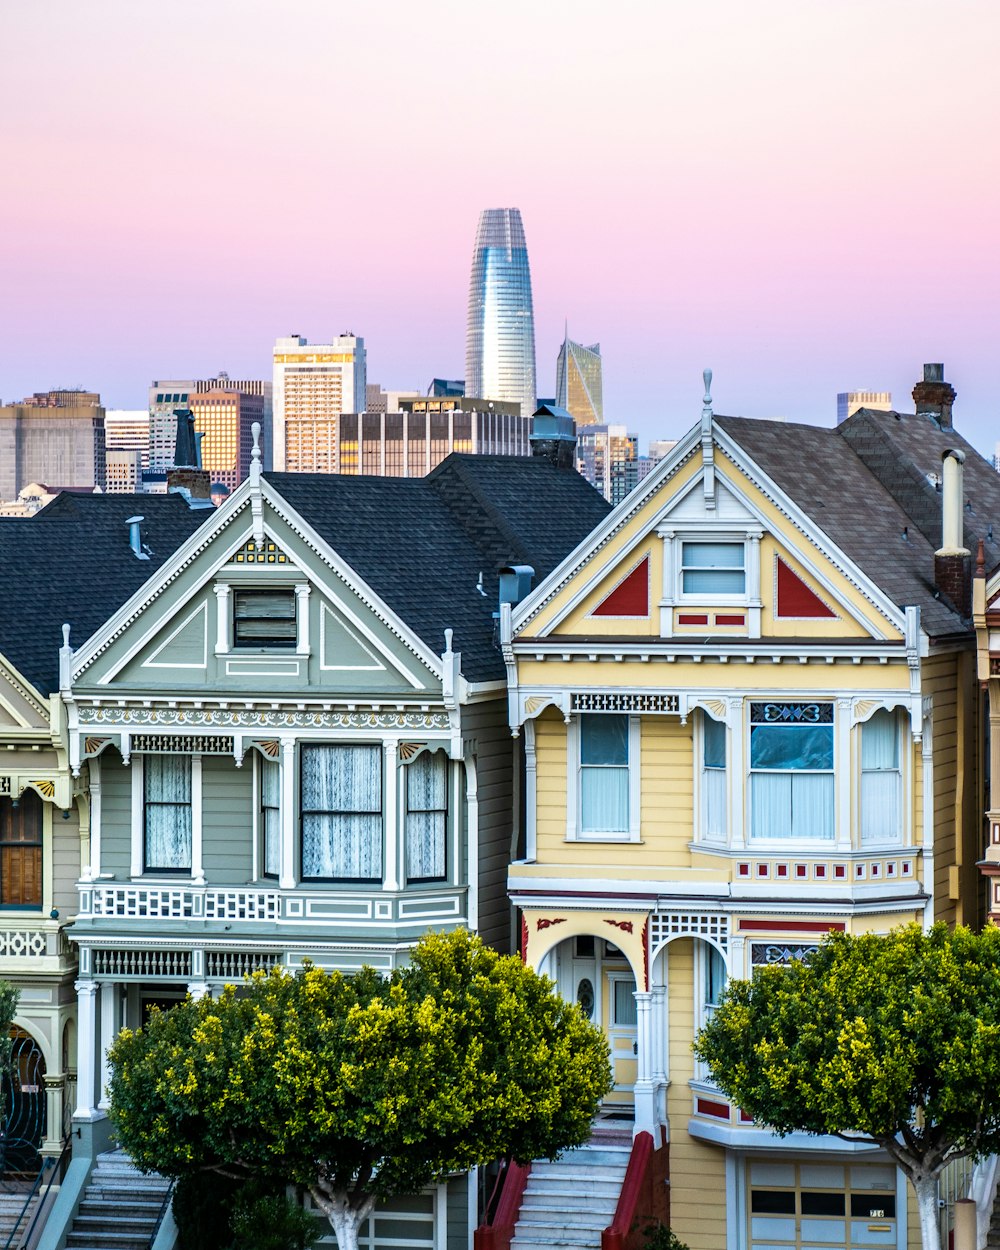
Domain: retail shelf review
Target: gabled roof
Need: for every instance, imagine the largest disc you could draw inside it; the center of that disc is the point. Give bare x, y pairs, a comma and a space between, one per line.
422, 543
865, 483
71, 562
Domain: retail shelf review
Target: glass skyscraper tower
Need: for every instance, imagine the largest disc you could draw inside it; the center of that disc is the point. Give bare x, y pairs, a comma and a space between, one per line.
500, 341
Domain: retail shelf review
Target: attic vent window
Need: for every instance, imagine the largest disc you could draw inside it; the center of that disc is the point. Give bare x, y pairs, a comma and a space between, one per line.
264, 618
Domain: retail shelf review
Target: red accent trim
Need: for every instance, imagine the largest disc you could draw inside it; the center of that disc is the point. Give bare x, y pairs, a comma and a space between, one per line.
692, 618
705, 1106
744, 1118
630, 597
743, 870
790, 926
645, 952
795, 598
839, 871
801, 870
730, 620
524, 939
782, 870
763, 870
626, 926
616, 1235
547, 924
820, 871
496, 1235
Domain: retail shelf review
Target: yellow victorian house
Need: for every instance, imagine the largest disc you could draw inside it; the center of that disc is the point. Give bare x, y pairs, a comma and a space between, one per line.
750, 714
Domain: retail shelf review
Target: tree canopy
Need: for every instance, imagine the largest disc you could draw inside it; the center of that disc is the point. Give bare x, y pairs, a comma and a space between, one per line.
361, 1087
892, 1040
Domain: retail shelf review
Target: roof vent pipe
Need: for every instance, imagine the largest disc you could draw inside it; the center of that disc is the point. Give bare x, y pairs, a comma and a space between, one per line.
135, 537
515, 582
952, 504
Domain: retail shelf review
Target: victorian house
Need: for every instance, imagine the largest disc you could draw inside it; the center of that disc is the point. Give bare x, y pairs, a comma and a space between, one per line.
750, 714
294, 740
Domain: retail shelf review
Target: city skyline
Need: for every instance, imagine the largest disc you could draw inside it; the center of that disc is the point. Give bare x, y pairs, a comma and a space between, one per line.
762, 207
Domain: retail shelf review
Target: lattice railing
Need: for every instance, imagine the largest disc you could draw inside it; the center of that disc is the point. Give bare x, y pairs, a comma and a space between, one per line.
23, 943
711, 926
135, 902
182, 744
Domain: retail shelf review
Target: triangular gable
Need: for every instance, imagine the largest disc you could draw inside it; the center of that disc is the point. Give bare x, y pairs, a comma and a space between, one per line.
171, 621
630, 597
21, 706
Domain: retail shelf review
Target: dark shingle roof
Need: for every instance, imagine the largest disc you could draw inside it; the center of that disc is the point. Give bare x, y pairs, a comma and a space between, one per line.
72, 562
422, 543
865, 485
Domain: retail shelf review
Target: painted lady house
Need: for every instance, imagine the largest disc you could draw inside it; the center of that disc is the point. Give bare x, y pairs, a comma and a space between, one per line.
296, 739
750, 714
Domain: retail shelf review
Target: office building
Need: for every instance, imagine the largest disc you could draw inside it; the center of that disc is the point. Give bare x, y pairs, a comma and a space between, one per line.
377, 400
500, 339
224, 415
658, 447
446, 388
848, 402
599, 449
579, 386
164, 400
413, 441
127, 430
627, 474
56, 437
314, 384
123, 472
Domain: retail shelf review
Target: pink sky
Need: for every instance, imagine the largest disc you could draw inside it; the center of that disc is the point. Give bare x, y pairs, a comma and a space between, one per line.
804, 195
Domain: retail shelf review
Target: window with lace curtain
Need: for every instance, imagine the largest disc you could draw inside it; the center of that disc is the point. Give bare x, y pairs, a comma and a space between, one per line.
427, 817
270, 818
713, 778
341, 813
167, 826
881, 779
791, 770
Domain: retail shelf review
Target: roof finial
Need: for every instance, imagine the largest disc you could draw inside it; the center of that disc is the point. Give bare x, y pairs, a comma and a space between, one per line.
255, 454
707, 401
981, 559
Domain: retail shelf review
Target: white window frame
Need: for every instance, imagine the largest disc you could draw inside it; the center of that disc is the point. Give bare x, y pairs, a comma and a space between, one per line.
574, 830
703, 1009
702, 834
902, 780
614, 977
259, 832
785, 841
138, 865
700, 597
225, 589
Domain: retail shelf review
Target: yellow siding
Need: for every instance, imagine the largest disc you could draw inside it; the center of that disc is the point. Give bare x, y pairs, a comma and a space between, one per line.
842, 626
817, 679
697, 1170
580, 622
667, 778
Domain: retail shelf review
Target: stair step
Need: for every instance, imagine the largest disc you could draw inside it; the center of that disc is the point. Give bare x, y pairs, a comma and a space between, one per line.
556, 1235
556, 1189
576, 1172
569, 1220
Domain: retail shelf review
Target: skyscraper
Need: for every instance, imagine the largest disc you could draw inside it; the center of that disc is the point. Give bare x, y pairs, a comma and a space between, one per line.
579, 384
500, 340
52, 437
314, 383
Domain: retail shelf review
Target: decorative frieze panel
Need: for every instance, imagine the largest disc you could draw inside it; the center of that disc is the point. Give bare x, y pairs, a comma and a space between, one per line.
5, 785
831, 872
23, 943
257, 718
182, 744
623, 701
711, 926
134, 964
762, 953
130, 902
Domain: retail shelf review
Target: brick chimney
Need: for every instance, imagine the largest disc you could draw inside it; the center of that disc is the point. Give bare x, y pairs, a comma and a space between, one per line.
934, 396
953, 560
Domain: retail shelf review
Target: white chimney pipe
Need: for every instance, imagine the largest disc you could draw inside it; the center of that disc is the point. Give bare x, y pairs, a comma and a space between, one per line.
952, 505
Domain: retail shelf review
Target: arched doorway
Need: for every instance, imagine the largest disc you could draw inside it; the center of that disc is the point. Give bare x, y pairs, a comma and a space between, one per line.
24, 1106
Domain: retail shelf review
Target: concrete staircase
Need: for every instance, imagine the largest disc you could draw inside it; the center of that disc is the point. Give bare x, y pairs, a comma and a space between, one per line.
120, 1206
569, 1203
11, 1221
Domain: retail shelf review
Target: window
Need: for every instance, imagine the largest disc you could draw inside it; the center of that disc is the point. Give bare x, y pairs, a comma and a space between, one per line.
270, 817
167, 813
264, 618
426, 816
625, 1013
881, 779
791, 770
715, 979
713, 778
713, 568
342, 813
21, 851
604, 774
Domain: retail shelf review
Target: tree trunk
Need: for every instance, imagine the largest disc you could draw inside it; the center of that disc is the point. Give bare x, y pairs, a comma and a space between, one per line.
345, 1219
926, 1189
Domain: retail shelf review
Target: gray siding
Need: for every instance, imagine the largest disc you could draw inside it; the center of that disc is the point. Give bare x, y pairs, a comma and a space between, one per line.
487, 723
459, 1233
227, 820
65, 861
116, 816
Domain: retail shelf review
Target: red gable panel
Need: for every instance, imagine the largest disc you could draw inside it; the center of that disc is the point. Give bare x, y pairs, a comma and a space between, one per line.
795, 598
630, 597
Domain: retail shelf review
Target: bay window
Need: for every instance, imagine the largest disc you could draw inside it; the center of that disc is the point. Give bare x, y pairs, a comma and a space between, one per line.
167, 813
270, 817
881, 779
342, 813
713, 778
427, 816
791, 771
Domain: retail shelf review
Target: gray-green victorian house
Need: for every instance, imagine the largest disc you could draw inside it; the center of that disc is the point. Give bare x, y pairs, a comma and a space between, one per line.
295, 741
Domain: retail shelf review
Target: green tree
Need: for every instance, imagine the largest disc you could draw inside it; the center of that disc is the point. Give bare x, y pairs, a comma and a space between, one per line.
889, 1040
362, 1087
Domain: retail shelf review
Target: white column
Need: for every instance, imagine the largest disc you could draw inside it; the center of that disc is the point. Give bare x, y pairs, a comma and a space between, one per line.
93, 869
667, 597
302, 617
197, 989
658, 1034
753, 583
109, 1030
286, 880
137, 782
844, 775
86, 1040
645, 1091
739, 771
391, 816
221, 618
530, 793
471, 770
197, 847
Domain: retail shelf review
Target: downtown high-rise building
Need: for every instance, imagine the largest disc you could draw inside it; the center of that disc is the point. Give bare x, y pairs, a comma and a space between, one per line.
54, 438
314, 384
848, 402
579, 382
500, 338
225, 416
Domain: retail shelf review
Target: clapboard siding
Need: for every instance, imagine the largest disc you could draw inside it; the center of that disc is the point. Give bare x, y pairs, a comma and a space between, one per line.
227, 821
487, 724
